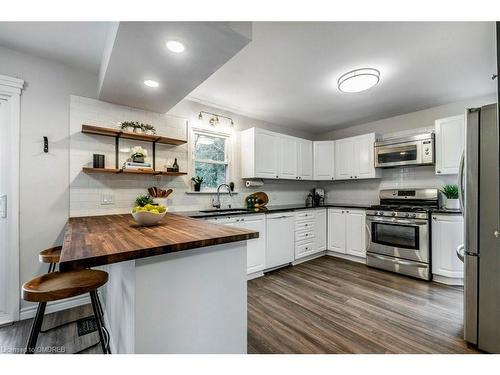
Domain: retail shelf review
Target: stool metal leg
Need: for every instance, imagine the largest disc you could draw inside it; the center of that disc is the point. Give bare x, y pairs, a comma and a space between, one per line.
95, 307
35, 328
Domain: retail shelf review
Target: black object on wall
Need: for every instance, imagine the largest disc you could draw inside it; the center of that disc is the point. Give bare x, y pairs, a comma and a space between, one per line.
45, 144
98, 161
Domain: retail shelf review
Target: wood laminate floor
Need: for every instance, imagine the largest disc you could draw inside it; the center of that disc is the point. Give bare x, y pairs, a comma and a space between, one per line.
329, 305
326, 305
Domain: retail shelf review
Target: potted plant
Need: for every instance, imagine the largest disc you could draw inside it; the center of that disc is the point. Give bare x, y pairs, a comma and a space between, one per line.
451, 194
197, 182
138, 154
148, 129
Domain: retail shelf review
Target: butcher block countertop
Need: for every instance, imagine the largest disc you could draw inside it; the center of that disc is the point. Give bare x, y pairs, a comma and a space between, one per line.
98, 240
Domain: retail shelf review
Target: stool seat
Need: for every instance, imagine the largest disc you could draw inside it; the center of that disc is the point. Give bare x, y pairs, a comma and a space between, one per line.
58, 285
51, 255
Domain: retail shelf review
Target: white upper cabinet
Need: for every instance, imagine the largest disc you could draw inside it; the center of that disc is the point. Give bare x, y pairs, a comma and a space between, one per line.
354, 158
449, 144
259, 153
288, 157
364, 164
305, 159
324, 160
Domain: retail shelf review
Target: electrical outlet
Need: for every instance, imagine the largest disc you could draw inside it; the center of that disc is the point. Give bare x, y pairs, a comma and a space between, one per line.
107, 199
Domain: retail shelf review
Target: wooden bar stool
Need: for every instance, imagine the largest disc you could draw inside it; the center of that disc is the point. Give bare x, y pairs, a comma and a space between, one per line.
52, 256
59, 285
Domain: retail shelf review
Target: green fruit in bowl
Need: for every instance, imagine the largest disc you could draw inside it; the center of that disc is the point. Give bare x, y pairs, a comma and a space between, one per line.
161, 209
149, 207
154, 211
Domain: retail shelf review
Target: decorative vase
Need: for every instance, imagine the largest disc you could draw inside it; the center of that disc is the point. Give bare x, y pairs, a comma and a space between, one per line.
197, 187
452, 204
138, 159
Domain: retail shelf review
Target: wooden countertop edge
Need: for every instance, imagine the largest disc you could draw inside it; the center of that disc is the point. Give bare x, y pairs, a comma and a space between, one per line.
102, 260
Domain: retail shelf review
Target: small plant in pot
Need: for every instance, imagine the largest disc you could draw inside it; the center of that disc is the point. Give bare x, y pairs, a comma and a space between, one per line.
451, 194
133, 126
197, 182
138, 154
148, 129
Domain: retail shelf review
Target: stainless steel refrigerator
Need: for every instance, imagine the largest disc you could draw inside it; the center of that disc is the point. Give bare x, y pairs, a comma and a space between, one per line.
480, 198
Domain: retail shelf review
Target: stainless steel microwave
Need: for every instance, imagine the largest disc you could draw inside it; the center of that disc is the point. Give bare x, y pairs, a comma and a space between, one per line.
412, 150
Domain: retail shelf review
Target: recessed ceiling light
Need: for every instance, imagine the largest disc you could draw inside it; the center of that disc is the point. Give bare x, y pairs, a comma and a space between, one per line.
358, 80
151, 83
175, 46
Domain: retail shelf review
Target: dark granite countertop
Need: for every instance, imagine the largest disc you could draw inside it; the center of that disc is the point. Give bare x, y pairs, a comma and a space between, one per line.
268, 209
446, 211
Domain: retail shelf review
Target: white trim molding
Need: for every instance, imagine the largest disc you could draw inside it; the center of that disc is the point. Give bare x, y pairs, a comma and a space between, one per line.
10, 91
29, 312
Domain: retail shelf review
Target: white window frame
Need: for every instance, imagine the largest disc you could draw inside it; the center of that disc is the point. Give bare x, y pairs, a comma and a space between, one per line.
228, 154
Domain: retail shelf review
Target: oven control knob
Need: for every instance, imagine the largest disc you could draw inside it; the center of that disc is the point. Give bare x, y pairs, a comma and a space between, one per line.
407, 215
413, 215
393, 214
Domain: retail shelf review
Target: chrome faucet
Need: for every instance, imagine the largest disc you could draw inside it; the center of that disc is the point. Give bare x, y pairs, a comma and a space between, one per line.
216, 199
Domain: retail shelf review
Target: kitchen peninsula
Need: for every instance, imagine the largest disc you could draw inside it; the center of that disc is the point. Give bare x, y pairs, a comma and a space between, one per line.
178, 287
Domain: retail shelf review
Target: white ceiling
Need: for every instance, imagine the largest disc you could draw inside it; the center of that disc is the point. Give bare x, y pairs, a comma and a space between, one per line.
78, 44
287, 74
139, 53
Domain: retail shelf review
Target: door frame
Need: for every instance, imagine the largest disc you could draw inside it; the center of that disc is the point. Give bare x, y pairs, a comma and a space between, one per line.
10, 91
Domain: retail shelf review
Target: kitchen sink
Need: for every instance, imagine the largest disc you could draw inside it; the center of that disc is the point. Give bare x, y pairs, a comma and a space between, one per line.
224, 211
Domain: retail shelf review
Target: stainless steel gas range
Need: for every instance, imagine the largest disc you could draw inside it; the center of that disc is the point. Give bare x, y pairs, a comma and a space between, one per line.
399, 231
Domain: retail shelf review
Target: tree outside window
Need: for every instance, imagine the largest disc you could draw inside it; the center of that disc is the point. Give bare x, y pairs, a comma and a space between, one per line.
210, 159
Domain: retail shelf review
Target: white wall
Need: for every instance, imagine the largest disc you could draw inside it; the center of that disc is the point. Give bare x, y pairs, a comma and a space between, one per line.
87, 189
366, 191
44, 193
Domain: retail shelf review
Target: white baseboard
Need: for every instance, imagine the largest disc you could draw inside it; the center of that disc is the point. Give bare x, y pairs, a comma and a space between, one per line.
346, 256
29, 312
310, 257
255, 275
448, 280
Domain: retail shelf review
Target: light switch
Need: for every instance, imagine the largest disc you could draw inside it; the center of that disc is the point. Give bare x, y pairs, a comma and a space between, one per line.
107, 199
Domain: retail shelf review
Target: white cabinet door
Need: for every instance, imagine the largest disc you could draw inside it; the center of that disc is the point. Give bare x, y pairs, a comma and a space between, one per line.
356, 232
280, 239
305, 159
344, 159
337, 230
256, 248
287, 157
449, 144
447, 235
364, 166
266, 154
320, 229
324, 160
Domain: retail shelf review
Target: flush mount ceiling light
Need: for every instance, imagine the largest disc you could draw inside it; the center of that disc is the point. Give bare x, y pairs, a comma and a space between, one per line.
175, 46
151, 83
358, 80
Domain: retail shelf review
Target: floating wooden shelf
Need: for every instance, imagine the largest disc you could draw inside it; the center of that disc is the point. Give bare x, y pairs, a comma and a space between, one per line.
117, 133
132, 171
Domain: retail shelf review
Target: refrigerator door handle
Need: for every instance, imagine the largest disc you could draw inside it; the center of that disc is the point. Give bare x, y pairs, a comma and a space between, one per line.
461, 252
461, 181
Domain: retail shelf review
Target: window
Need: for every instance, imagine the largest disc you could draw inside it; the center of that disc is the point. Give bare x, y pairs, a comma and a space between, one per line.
210, 158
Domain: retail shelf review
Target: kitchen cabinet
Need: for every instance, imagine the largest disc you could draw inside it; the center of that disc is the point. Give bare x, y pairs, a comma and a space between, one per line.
347, 231
324, 160
280, 239
447, 235
256, 248
354, 158
288, 157
304, 159
310, 232
450, 140
259, 153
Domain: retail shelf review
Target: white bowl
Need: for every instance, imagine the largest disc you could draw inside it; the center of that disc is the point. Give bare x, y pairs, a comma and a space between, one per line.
146, 218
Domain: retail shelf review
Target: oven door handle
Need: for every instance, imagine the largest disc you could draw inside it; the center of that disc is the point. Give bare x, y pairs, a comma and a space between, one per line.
398, 261
398, 221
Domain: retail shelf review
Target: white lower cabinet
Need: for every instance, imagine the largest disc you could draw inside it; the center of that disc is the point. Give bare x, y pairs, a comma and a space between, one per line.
447, 235
310, 232
347, 231
280, 239
256, 248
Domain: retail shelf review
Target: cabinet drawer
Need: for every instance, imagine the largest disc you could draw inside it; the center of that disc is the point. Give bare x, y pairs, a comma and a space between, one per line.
304, 249
305, 225
304, 215
302, 236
